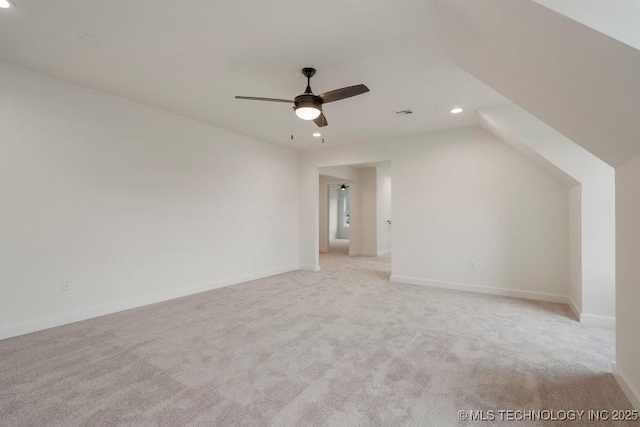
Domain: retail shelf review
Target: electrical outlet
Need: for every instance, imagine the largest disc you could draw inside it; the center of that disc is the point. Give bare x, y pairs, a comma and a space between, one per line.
66, 284
473, 264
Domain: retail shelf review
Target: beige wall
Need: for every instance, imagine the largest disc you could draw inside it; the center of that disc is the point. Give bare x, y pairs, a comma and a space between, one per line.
628, 278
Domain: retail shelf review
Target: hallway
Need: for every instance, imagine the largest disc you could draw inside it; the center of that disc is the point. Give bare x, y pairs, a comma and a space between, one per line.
339, 246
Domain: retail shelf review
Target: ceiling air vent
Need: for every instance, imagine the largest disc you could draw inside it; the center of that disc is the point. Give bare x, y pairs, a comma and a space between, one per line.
89, 40
406, 112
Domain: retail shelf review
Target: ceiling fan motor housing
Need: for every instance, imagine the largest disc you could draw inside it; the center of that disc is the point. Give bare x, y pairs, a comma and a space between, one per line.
308, 100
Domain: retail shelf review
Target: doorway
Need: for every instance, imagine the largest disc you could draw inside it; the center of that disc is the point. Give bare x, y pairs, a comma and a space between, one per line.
355, 209
339, 215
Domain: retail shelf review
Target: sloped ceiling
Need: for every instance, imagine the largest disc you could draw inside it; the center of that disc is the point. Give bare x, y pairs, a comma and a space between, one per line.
512, 138
579, 81
192, 57
618, 19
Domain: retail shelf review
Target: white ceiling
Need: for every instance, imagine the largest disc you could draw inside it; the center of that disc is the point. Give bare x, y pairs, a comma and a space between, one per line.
577, 80
616, 18
192, 57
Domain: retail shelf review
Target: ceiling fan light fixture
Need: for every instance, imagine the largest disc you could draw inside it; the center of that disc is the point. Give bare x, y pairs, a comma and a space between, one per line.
307, 113
308, 106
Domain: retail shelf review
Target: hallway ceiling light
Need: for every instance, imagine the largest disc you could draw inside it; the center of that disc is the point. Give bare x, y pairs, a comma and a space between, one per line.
317, 134
5, 4
456, 110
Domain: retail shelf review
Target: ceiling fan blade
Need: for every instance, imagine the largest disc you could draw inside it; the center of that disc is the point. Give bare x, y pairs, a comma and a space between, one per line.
321, 120
253, 98
345, 92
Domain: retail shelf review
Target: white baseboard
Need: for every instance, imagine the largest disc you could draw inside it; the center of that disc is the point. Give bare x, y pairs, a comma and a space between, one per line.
633, 395
89, 313
602, 321
482, 289
363, 253
587, 319
574, 307
309, 267
381, 253
590, 319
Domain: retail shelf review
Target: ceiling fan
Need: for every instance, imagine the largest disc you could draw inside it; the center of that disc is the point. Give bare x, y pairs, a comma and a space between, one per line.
309, 106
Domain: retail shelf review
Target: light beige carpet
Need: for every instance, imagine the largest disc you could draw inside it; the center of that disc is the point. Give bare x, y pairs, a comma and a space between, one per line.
341, 347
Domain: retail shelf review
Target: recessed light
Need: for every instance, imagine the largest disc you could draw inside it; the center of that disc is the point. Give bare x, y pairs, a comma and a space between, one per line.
456, 110
317, 134
5, 4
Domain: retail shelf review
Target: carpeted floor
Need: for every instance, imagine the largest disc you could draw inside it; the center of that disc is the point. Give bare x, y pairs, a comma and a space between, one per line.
340, 347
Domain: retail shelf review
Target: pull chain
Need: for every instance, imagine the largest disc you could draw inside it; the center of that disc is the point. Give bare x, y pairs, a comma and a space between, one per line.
323, 132
292, 114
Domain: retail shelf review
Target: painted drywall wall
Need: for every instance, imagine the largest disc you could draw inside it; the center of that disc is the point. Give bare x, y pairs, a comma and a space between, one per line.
323, 212
366, 213
132, 204
333, 211
514, 125
575, 248
460, 196
341, 173
383, 201
628, 279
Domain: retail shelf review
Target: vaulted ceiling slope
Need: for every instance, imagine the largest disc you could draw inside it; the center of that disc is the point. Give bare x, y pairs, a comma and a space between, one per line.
616, 18
191, 58
579, 81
